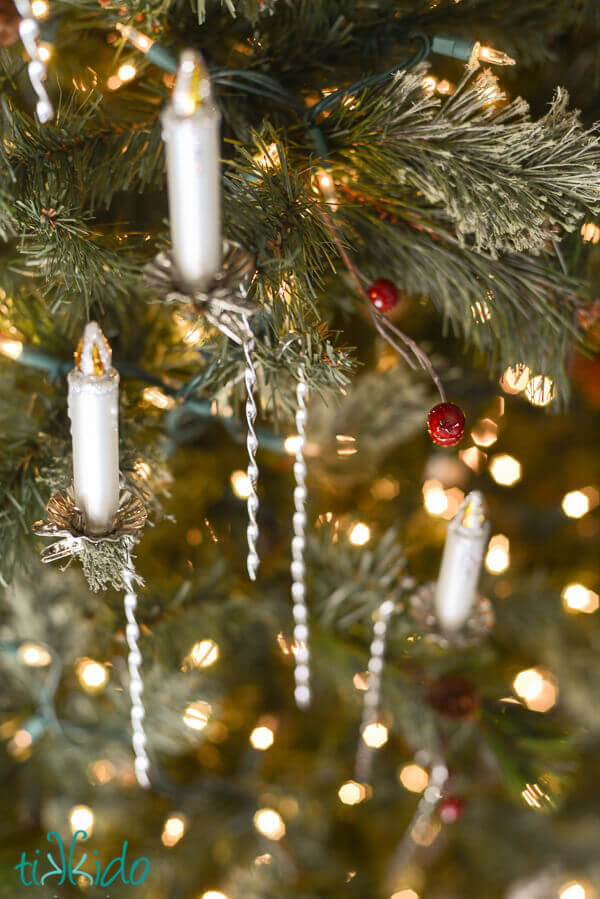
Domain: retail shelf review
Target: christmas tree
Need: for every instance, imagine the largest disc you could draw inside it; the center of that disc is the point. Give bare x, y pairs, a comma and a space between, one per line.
255, 661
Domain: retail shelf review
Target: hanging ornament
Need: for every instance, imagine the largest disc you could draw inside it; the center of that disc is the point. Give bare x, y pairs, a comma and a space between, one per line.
384, 295
94, 519
302, 691
446, 424
450, 611
29, 30
204, 274
364, 754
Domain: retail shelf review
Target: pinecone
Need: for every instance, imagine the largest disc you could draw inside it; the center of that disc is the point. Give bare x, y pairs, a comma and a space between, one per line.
9, 23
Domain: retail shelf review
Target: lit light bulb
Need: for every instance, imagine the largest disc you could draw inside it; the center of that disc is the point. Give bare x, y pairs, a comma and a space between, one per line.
267, 158
493, 57
10, 348
139, 40
155, 397
292, 444
375, 735
590, 232
497, 559
44, 51
262, 737
204, 654
572, 891
576, 504
196, 715
577, 598
127, 72
240, 483
351, 793
92, 675
429, 84
405, 894
434, 498
537, 688
413, 778
515, 379
540, 391
359, 534
39, 8
505, 470
82, 818
173, 830
142, 469
270, 823
327, 188
34, 656
213, 894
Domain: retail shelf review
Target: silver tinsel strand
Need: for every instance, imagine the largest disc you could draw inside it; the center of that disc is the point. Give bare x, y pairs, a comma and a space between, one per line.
302, 691
136, 684
364, 753
253, 560
29, 31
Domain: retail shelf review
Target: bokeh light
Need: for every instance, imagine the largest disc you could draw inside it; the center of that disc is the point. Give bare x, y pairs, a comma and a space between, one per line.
270, 823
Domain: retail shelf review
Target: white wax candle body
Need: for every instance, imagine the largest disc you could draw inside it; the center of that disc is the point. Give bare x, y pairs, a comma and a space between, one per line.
94, 414
456, 586
194, 182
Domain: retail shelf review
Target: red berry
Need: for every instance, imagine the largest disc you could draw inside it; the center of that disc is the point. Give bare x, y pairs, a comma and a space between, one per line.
446, 424
450, 809
383, 294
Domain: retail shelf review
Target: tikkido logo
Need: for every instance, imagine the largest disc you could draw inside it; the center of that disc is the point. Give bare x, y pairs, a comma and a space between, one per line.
67, 870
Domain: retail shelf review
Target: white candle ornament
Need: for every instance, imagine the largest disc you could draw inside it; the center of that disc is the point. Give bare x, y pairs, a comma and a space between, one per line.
191, 131
94, 414
468, 535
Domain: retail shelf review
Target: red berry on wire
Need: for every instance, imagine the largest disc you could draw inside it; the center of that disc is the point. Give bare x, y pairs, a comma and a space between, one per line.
450, 809
383, 294
446, 424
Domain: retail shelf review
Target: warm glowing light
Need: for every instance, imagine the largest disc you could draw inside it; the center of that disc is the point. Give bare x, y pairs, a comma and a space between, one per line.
505, 470
20, 742
345, 445
92, 675
515, 379
269, 157
577, 598
429, 84
262, 737
213, 894
127, 72
196, 715
360, 681
473, 458
590, 232
351, 793
327, 187
44, 52
270, 823
485, 432
11, 348
359, 534
103, 771
572, 891
203, 654
434, 498
156, 397
39, 8
497, 559
35, 656
576, 504
173, 830
494, 57
454, 499
375, 735
82, 818
540, 391
292, 444
139, 40
414, 778
240, 483
445, 87
405, 894
537, 688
